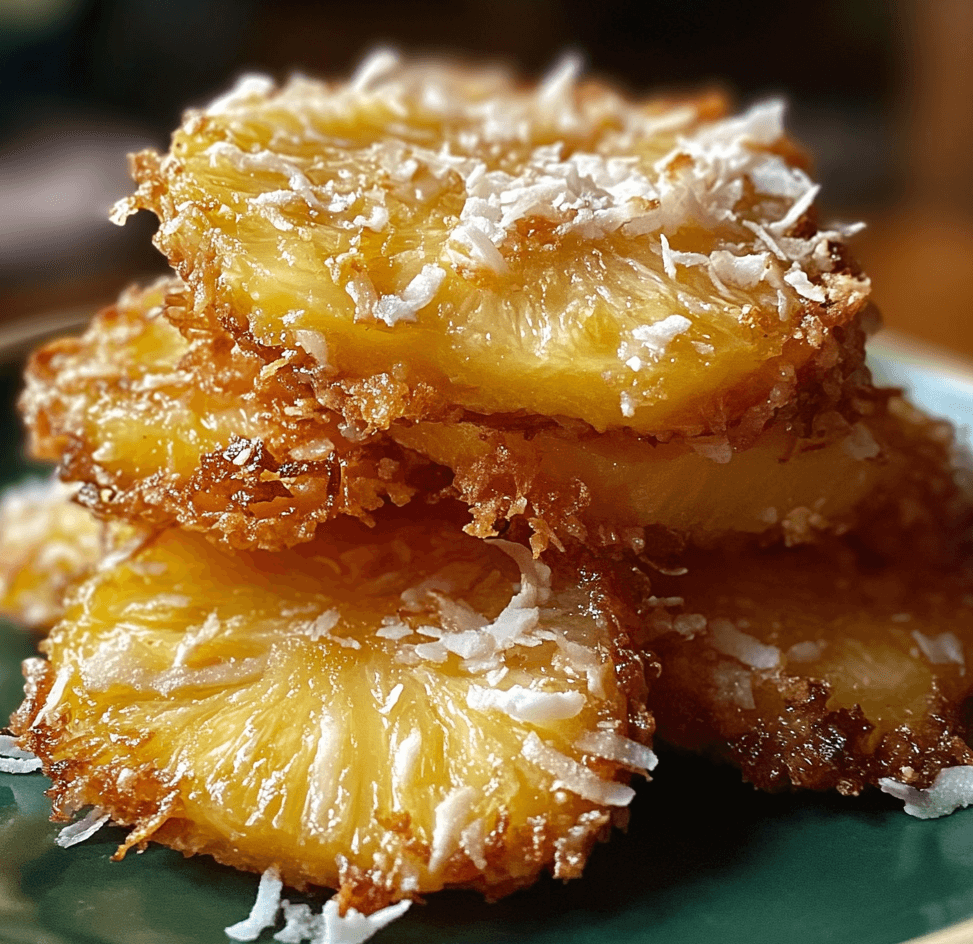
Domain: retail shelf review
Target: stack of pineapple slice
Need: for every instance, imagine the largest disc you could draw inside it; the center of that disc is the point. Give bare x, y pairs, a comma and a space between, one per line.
453, 379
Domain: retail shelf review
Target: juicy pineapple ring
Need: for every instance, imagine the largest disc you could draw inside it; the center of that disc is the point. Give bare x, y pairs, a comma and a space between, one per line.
48, 544
813, 668
558, 251
382, 710
163, 429
604, 489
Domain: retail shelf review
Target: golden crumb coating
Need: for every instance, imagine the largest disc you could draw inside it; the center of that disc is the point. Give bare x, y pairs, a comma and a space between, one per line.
557, 250
386, 711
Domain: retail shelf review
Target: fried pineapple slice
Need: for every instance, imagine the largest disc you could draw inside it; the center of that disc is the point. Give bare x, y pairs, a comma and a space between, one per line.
162, 429
552, 251
384, 711
48, 544
605, 489
818, 667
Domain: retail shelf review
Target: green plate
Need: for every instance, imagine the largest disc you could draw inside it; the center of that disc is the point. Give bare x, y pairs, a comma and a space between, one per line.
706, 859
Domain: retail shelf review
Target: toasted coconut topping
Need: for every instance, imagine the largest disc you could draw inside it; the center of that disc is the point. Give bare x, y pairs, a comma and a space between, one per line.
574, 776
263, 914
83, 829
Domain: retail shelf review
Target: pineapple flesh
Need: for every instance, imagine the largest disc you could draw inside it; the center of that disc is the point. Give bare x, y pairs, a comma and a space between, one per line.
384, 711
819, 667
605, 489
556, 251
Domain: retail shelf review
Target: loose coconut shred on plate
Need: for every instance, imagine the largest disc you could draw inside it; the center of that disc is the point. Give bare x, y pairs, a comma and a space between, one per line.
512, 422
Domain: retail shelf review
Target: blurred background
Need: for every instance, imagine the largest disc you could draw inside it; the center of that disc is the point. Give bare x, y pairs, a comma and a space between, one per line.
881, 92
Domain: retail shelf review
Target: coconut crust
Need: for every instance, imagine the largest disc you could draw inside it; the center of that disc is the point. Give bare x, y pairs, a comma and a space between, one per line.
162, 430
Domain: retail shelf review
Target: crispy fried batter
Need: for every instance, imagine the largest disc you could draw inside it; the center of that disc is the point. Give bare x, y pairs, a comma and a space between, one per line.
161, 429
381, 710
557, 251
821, 667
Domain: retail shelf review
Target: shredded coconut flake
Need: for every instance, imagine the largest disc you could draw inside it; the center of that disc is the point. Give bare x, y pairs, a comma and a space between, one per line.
391, 309
377, 66
393, 628
801, 284
951, 790
717, 450
405, 760
622, 750
570, 775
476, 640
860, 443
560, 80
941, 649
320, 626
13, 760
354, 927
248, 87
809, 651
735, 684
53, 697
315, 344
452, 815
263, 914
749, 650
301, 924
83, 829
689, 624
524, 704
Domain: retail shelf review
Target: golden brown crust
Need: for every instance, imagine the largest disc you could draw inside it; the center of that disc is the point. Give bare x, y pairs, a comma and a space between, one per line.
162, 430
